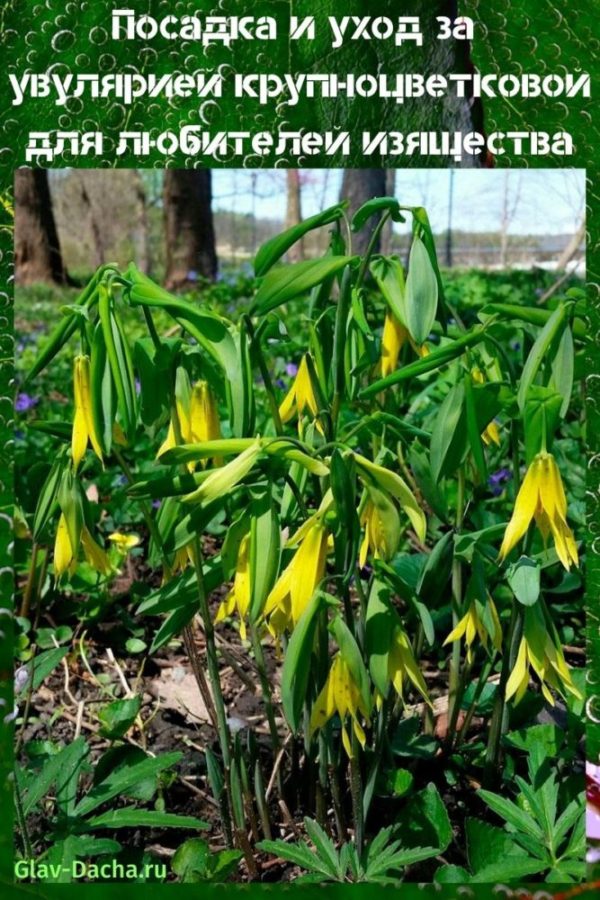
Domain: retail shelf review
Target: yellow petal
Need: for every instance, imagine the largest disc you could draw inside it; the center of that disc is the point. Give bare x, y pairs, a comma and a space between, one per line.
95, 555
63, 553
525, 507
392, 340
86, 404
222, 480
307, 569
519, 675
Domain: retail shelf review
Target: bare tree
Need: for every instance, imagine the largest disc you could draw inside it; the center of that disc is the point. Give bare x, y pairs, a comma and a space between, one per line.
189, 231
510, 203
95, 227
139, 231
294, 212
37, 248
358, 186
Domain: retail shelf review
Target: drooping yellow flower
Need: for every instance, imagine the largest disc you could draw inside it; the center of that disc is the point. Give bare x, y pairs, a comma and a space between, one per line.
542, 497
296, 585
204, 417
239, 596
300, 397
83, 424
63, 553
183, 421
393, 339
65, 558
382, 528
402, 664
544, 655
340, 694
471, 625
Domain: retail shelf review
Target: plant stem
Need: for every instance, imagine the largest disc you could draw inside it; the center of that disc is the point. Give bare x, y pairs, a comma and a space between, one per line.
499, 721
454, 682
356, 791
268, 701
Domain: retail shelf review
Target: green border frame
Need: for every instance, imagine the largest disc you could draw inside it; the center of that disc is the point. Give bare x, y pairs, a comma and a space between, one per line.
538, 36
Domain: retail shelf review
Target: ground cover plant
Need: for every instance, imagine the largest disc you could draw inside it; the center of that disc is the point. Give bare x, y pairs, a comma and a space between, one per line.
348, 504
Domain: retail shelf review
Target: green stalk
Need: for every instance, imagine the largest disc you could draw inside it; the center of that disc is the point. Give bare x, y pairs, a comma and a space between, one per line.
499, 721
356, 791
268, 701
454, 683
481, 682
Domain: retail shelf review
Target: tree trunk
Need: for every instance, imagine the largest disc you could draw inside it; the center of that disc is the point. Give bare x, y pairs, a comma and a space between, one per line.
94, 225
140, 227
37, 248
189, 231
358, 186
294, 213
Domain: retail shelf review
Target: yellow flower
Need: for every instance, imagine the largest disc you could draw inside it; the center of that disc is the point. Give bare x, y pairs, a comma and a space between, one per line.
542, 496
83, 424
540, 652
340, 694
393, 339
124, 542
223, 479
239, 596
295, 587
402, 664
63, 554
300, 397
204, 417
184, 428
65, 557
382, 528
471, 625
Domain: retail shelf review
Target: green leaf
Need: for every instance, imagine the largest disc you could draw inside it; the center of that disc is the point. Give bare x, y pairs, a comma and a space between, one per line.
285, 283
119, 781
59, 768
48, 497
373, 207
131, 817
425, 821
563, 368
550, 333
524, 580
510, 868
449, 437
435, 574
437, 358
421, 295
347, 532
451, 875
299, 854
273, 249
528, 314
399, 782
265, 550
541, 417
119, 359
118, 717
41, 666
487, 845
324, 847
379, 632
473, 428
511, 813
297, 663
422, 227
102, 390
388, 273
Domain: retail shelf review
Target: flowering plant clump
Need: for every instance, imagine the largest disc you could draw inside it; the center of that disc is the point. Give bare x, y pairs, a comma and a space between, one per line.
388, 497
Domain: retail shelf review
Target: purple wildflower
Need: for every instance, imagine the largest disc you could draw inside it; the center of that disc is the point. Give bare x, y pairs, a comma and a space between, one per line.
156, 504
25, 402
291, 369
497, 479
280, 383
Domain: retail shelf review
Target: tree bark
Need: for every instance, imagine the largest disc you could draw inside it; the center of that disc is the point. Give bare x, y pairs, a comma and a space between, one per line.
189, 231
358, 186
140, 226
37, 247
294, 213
